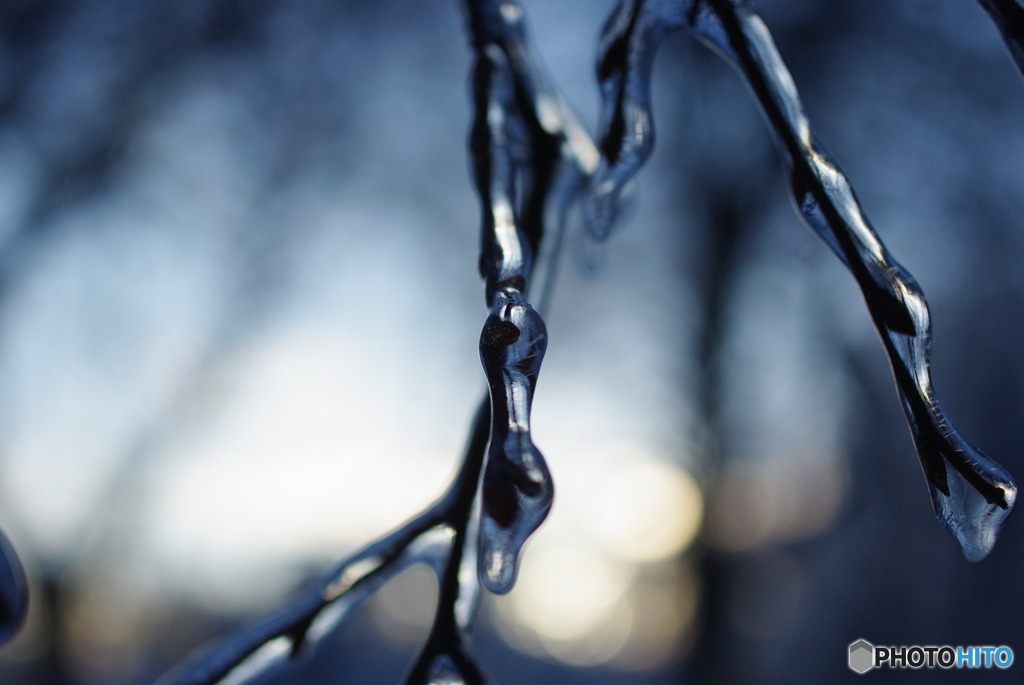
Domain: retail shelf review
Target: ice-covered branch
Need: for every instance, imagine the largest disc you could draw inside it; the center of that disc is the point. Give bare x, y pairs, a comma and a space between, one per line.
517, 490
431, 538
1009, 18
523, 133
972, 494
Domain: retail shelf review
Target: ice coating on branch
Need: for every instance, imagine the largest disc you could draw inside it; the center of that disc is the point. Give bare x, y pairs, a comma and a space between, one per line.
522, 131
517, 489
468, 597
505, 254
503, 25
972, 495
13, 591
626, 52
257, 650
1009, 18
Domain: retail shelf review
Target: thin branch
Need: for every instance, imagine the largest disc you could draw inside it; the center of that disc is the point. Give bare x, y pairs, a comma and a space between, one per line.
974, 497
1008, 16
511, 97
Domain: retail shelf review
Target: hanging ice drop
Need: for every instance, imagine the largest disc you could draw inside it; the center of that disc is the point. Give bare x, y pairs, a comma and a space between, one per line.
447, 668
517, 489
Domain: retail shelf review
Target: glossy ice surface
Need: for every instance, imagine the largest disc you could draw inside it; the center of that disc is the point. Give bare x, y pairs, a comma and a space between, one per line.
517, 489
972, 494
523, 157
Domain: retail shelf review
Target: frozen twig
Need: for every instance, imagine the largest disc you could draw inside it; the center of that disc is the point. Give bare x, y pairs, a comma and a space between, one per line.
516, 491
972, 495
1009, 18
522, 133
430, 537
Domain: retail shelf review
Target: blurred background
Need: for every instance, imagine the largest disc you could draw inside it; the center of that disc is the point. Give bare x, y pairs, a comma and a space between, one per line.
239, 311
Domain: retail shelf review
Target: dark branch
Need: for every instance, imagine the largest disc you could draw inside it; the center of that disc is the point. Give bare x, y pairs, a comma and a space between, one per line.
974, 497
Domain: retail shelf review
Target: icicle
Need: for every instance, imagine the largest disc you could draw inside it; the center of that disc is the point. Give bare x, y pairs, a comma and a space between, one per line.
972, 494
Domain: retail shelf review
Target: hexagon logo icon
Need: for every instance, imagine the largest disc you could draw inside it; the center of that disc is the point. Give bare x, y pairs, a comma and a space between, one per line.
862, 656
